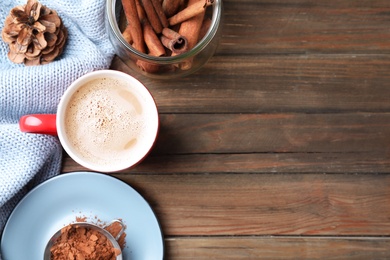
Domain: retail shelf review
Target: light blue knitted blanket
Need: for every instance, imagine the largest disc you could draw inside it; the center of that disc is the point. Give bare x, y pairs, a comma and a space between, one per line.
28, 159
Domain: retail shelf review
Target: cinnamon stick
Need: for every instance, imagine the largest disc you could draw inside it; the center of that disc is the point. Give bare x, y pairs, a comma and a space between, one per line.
170, 7
191, 29
130, 9
140, 11
160, 13
204, 28
127, 34
155, 68
152, 15
147, 66
152, 41
193, 9
161, 36
174, 41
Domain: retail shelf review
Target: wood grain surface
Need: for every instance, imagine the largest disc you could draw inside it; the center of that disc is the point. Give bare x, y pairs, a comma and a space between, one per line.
279, 147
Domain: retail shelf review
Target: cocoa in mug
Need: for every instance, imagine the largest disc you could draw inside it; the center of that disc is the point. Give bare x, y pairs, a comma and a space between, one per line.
106, 121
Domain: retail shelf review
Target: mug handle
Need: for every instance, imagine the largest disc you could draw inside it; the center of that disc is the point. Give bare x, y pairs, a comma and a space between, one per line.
38, 124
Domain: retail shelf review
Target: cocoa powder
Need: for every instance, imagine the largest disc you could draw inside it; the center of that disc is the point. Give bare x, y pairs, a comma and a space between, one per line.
83, 243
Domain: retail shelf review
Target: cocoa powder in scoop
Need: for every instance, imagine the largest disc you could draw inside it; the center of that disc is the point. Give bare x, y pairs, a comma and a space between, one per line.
81, 243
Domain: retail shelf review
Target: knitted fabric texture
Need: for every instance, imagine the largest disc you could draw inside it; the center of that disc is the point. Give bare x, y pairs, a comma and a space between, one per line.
27, 160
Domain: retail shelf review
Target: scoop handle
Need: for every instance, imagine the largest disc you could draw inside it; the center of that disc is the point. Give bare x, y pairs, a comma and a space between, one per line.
38, 124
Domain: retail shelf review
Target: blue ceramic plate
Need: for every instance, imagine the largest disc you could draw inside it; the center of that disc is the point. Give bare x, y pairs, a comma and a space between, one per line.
98, 197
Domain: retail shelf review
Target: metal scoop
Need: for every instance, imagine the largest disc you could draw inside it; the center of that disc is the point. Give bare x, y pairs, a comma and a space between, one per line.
101, 230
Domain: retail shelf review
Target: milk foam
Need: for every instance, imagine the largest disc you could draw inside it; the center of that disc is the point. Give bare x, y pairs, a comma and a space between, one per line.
105, 122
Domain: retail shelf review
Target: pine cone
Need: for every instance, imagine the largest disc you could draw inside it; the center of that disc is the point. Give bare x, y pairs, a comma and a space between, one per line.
35, 34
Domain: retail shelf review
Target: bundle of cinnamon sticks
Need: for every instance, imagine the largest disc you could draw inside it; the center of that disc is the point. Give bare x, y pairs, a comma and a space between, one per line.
165, 28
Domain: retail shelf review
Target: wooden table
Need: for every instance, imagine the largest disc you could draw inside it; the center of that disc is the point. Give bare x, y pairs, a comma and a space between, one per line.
279, 148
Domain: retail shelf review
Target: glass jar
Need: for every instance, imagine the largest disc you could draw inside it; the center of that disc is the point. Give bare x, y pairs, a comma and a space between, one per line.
164, 67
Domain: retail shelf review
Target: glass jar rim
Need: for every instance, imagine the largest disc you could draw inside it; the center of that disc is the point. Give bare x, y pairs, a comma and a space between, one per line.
211, 32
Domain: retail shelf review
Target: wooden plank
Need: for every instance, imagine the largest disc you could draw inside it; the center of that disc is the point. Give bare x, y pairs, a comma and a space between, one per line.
273, 133
236, 248
276, 133
373, 163
269, 84
298, 26
267, 204
323, 143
